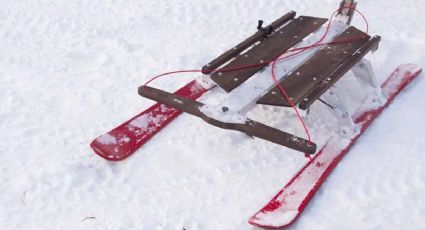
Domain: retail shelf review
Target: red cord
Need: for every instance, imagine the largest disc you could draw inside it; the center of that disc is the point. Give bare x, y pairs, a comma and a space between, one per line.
279, 58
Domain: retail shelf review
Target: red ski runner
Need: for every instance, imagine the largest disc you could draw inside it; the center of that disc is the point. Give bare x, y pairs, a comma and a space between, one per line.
289, 202
122, 141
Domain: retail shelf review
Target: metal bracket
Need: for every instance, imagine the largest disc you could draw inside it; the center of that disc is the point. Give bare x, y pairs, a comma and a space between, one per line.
346, 11
267, 30
335, 101
363, 71
335, 98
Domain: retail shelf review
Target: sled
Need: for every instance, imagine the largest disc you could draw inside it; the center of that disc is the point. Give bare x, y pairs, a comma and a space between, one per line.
305, 78
124, 140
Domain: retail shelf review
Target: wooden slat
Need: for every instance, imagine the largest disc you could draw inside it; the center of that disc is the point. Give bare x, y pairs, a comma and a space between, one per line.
265, 51
302, 80
258, 36
332, 78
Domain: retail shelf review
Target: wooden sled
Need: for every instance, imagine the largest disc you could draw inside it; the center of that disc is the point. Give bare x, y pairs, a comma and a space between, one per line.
305, 77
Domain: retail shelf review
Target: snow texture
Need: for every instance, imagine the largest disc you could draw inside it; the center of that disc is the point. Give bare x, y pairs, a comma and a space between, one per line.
69, 71
107, 139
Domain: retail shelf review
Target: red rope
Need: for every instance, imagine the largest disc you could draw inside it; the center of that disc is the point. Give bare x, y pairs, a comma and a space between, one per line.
279, 58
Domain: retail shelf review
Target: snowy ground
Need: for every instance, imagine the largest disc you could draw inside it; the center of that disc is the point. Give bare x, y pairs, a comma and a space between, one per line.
69, 71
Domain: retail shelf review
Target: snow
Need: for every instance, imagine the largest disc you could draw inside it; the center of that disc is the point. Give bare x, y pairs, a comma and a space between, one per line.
107, 139
69, 71
142, 121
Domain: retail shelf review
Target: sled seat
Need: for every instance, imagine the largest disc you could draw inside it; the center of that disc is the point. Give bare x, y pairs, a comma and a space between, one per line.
311, 79
229, 76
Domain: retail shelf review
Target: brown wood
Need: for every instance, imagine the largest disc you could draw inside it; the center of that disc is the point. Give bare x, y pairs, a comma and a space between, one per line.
312, 72
333, 77
265, 51
250, 127
258, 36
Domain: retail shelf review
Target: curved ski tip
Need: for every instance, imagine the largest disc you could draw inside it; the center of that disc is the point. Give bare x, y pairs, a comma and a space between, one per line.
98, 151
274, 220
415, 69
104, 154
400, 77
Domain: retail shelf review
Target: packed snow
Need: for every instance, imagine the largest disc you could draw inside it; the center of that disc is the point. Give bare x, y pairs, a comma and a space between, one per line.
69, 72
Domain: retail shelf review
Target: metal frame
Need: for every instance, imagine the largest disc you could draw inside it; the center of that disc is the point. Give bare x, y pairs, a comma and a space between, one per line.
335, 98
365, 74
335, 101
346, 14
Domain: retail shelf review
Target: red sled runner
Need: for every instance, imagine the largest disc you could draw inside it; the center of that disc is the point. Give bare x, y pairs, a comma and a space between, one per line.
124, 140
288, 204
309, 60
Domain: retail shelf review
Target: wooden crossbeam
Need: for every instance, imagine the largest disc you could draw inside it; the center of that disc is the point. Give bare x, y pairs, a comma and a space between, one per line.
245, 125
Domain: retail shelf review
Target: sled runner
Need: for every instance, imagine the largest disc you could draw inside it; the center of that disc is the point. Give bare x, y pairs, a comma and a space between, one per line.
290, 201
